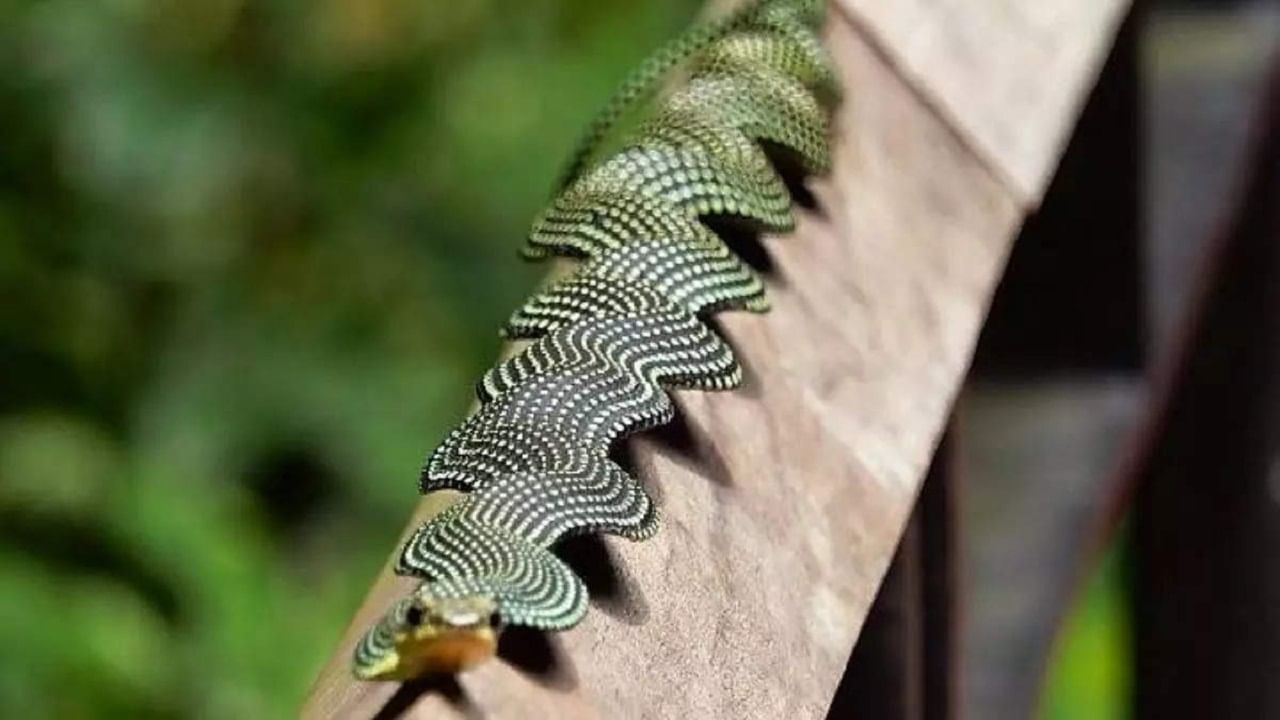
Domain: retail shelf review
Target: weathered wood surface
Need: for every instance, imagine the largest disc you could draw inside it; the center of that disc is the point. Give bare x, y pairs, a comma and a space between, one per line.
1010, 75
783, 502
905, 663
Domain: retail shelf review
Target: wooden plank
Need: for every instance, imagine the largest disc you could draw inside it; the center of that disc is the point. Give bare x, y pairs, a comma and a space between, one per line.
1044, 322
784, 501
905, 665
1054, 389
885, 677
1010, 74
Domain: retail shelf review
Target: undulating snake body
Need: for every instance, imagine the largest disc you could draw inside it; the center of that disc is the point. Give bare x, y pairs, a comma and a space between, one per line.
612, 338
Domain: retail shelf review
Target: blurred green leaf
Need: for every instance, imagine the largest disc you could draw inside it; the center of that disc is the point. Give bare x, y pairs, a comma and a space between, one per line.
252, 258
1091, 677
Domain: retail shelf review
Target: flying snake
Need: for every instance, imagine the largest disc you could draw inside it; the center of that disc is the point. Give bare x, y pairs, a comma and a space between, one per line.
755, 88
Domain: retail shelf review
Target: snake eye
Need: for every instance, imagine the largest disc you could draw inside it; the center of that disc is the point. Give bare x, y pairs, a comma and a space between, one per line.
413, 616
495, 621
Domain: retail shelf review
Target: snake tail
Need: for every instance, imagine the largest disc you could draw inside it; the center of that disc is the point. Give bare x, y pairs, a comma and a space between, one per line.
610, 341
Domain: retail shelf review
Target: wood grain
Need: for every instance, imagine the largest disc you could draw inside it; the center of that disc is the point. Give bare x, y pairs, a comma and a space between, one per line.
782, 502
1011, 75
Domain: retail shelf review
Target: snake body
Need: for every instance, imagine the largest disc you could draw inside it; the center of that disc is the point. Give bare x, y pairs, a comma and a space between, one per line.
609, 341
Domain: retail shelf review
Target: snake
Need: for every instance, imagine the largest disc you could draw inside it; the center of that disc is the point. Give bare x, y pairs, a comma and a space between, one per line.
608, 343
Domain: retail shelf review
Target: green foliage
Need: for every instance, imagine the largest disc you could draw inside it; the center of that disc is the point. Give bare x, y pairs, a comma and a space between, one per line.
252, 257
1091, 678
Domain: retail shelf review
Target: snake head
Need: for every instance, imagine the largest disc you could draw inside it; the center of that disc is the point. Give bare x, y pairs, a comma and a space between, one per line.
423, 635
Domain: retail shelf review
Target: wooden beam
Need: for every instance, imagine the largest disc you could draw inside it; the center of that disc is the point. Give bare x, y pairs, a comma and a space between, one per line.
1010, 76
783, 501
905, 665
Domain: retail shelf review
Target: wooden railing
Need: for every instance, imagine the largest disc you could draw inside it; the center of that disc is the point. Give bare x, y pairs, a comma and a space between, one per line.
784, 502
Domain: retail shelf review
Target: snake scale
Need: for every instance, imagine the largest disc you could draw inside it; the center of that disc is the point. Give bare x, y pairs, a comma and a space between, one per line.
609, 341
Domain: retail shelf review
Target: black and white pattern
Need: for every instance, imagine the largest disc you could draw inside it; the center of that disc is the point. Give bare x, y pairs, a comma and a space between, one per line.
612, 339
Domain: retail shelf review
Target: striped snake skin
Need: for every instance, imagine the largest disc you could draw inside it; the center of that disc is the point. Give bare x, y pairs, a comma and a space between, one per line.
609, 341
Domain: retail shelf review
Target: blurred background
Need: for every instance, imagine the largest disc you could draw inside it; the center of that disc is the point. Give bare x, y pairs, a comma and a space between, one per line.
252, 256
